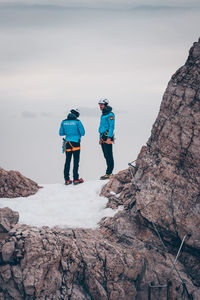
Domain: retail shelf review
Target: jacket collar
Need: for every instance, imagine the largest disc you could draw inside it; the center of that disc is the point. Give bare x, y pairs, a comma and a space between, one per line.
71, 117
107, 110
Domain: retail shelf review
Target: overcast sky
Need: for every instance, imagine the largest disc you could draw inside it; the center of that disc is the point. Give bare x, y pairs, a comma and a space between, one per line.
56, 59
115, 4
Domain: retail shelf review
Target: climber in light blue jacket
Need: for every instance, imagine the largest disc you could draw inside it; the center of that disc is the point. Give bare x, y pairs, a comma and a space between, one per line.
73, 130
106, 131
107, 122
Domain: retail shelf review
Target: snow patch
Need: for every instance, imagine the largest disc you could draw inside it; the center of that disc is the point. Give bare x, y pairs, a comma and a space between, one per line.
114, 194
63, 206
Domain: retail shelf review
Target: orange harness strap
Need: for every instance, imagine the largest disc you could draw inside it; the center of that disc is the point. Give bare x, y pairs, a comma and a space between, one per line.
105, 142
73, 148
76, 148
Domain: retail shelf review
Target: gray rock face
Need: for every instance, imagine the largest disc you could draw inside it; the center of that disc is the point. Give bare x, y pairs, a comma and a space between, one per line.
86, 264
7, 251
121, 259
165, 185
8, 219
14, 184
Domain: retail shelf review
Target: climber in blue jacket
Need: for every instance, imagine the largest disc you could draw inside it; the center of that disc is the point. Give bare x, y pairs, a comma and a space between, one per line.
73, 130
106, 131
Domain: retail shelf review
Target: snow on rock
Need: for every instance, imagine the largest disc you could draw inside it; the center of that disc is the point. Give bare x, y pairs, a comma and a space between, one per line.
63, 206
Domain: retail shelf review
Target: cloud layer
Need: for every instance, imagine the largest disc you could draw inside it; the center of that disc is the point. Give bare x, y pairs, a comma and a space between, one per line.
111, 4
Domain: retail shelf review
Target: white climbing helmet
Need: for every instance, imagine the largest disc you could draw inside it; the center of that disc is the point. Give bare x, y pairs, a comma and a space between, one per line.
103, 101
75, 111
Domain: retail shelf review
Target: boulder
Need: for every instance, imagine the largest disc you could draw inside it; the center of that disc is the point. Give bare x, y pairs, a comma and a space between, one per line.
13, 184
8, 219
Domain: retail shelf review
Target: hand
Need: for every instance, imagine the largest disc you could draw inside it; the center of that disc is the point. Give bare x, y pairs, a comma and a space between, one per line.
100, 142
109, 141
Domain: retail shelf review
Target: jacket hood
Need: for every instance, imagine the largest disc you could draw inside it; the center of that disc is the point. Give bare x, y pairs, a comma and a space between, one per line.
107, 110
71, 117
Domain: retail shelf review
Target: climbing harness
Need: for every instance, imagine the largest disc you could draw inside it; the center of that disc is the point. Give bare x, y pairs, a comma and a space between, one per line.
103, 138
65, 149
105, 142
72, 147
169, 283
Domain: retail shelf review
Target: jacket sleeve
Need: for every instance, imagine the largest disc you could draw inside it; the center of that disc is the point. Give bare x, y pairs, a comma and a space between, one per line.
111, 122
81, 128
61, 131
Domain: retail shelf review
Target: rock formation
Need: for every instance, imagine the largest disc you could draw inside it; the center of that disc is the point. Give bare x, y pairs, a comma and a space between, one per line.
8, 219
14, 184
136, 249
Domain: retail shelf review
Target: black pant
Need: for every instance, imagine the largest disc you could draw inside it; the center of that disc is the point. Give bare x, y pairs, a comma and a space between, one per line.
108, 154
76, 156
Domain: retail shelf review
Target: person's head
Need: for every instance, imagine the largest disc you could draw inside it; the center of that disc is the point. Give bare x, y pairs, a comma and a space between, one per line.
75, 112
103, 103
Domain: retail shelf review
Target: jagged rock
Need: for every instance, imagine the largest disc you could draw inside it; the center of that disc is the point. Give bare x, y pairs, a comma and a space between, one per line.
165, 184
113, 189
87, 264
8, 219
120, 259
7, 251
14, 184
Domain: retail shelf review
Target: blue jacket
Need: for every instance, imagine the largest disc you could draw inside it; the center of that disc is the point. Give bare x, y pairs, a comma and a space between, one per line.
107, 122
72, 128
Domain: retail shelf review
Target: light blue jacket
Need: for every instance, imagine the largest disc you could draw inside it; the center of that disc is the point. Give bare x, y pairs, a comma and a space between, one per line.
107, 122
72, 128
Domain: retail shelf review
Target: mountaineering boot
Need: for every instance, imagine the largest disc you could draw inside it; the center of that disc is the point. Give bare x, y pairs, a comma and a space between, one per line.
106, 176
67, 182
78, 181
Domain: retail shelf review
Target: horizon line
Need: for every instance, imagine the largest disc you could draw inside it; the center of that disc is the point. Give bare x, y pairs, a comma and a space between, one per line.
117, 7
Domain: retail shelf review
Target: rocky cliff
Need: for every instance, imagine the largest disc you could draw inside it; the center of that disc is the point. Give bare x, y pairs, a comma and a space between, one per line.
131, 255
13, 184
